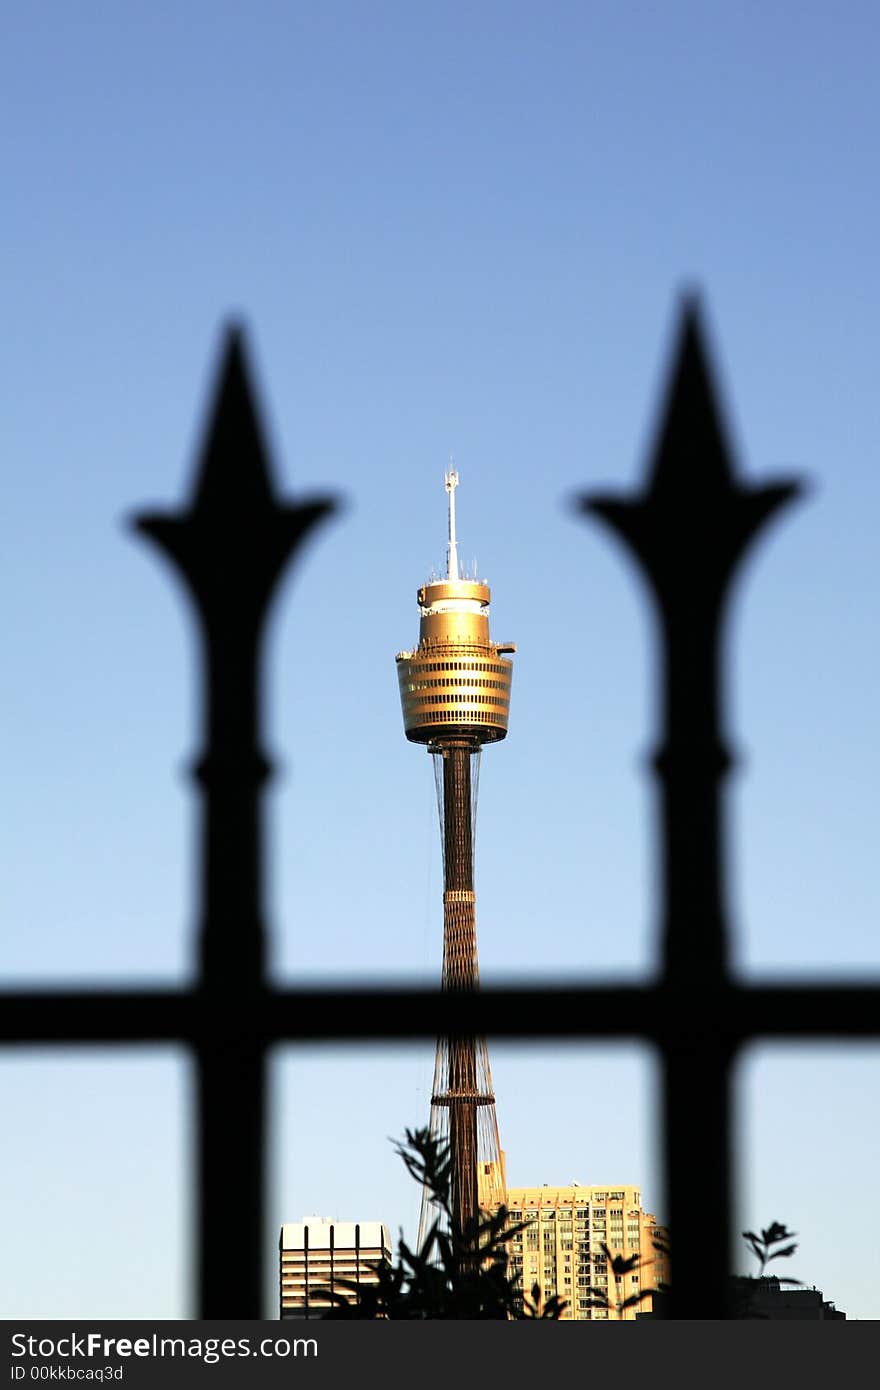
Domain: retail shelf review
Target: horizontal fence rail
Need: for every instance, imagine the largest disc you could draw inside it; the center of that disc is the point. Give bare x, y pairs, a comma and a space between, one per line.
739, 1014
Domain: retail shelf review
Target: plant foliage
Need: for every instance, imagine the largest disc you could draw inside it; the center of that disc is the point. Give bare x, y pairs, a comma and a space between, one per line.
620, 1266
774, 1243
460, 1272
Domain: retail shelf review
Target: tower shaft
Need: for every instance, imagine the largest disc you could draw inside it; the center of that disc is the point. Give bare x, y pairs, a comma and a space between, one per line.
462, 1098
460, 972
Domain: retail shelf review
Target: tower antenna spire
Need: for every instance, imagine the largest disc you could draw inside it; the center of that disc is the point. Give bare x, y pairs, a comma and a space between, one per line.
452, 548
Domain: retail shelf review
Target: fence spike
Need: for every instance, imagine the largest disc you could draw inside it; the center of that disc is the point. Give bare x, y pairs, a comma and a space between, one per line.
230, 546
688, 529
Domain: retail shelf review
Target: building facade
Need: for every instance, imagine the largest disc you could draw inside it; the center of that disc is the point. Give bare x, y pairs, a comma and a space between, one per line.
560, 1248
318, 1256
770, 1298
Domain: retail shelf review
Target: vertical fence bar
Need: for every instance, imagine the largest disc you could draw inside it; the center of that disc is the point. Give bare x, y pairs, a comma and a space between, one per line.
230, 547
688, 530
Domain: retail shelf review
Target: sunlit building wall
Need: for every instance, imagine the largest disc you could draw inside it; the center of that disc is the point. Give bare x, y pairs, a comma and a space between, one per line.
561, 1247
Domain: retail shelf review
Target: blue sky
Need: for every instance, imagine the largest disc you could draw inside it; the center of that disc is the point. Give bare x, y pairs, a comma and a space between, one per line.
457, 229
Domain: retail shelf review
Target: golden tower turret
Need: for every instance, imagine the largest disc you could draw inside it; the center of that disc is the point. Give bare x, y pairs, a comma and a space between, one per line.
455, 694
456, 684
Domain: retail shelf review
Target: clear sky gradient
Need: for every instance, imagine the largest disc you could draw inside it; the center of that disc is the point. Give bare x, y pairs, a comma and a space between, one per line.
450, 229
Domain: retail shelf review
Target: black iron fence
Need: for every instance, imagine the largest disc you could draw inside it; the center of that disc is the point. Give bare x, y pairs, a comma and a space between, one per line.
688, 529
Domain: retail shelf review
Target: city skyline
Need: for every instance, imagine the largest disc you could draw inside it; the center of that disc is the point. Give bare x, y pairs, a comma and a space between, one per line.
445, 233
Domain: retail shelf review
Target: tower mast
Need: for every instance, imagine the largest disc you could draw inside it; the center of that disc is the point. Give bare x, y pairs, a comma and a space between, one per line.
455, 694
452, 548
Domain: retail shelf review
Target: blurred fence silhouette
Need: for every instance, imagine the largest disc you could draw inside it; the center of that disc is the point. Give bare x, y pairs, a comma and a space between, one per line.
688, 530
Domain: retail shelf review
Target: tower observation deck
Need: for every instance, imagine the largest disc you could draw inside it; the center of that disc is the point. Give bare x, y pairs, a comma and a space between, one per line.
455, 696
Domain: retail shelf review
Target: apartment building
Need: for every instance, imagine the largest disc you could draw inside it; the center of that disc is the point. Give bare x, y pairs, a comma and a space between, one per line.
560, 1247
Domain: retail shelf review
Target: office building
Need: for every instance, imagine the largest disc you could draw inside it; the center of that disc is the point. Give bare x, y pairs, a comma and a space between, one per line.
319, 1255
